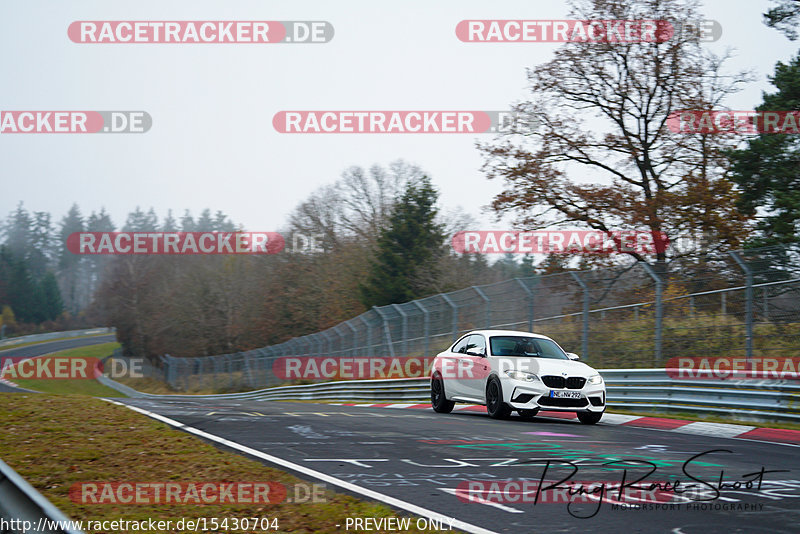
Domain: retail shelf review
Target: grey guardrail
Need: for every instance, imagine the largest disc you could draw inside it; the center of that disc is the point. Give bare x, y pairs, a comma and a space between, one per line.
632, 389
23, 508
35, 338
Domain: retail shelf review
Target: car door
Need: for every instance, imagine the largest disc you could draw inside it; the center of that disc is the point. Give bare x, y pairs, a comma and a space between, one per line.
475, 368
450, 364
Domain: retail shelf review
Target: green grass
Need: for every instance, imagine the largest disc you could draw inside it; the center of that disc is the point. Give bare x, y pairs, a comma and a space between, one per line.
89, 387
55, 441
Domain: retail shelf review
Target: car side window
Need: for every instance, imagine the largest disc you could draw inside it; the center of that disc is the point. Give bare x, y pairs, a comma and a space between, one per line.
461, 346
477, 343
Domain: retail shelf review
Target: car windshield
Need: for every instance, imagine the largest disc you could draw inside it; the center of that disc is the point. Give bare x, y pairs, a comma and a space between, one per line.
529, 347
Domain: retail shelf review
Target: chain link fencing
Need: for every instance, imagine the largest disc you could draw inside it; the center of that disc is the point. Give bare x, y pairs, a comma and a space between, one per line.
742, 304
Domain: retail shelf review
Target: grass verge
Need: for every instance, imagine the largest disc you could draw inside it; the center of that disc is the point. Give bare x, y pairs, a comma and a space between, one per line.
57, 441
88, 386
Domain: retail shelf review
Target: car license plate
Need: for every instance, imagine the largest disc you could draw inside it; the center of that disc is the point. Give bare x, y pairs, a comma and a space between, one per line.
565, 394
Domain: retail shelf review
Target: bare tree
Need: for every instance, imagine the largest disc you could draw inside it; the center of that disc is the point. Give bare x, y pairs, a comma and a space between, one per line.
602, 110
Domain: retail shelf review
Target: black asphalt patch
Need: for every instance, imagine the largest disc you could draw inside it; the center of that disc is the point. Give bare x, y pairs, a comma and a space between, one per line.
421, 457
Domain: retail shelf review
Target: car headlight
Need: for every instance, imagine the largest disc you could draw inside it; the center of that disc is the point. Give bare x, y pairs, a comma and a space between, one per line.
595, 379
521, 375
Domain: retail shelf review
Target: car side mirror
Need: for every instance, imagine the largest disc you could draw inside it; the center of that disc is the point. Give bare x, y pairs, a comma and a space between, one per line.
477, 352
573, 356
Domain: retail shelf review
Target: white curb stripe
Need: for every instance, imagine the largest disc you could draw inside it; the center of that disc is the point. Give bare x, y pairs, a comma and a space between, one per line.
721, 430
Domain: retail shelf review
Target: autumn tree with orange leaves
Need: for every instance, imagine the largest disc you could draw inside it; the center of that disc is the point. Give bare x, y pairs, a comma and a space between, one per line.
601, 154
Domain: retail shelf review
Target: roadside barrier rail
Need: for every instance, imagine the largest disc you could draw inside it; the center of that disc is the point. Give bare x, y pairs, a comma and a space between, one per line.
744, 397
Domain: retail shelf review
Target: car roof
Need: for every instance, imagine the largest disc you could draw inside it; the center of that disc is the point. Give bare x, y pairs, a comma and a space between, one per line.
506, 333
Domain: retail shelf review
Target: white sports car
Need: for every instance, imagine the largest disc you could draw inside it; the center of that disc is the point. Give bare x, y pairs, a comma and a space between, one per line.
508, 370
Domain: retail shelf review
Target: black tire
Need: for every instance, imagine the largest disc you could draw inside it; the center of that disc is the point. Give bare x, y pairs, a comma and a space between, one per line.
438, 399
495, 407
527, 415
589, 418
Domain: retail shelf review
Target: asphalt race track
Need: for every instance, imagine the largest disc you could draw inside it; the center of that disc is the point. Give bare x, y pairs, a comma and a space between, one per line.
41, 349
421, 457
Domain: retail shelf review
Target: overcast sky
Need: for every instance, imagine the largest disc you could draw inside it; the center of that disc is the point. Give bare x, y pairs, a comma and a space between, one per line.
212, 143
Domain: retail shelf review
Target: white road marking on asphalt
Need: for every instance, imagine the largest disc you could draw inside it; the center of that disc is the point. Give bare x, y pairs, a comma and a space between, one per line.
479, 500
372, 494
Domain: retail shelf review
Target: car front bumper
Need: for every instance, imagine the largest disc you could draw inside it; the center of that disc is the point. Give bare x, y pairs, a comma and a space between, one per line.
527, 396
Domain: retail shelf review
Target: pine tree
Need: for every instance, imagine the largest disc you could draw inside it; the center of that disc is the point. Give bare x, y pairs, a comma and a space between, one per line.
52, 305
408, 250
768, 169
70, 266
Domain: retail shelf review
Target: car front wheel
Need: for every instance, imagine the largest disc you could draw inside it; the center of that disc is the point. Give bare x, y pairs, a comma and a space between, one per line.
438, 399
495, 406
589, 418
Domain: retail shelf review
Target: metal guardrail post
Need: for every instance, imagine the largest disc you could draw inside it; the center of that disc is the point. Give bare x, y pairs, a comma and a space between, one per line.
585, 329
748, 304
386, 331
452, 304
404, 334
427, 323
482, 295
19, 500
659, 307
530, 303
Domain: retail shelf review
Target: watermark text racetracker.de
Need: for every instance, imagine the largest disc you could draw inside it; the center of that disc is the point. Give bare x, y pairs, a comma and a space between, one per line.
74, 122
559, 242
403, 122
175, 243
740, 122
362, 367
585, 31
57, 367
206, 492
723, 367
199, 31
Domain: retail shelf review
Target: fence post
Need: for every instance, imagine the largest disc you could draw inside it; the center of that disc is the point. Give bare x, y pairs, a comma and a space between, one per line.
452, 304
341, 339
427, 327
659, 308
229, 365
482, 295
585, 329
353, 329
369, 333
386, 331
404, 334
530, 303
748, 305
324, 334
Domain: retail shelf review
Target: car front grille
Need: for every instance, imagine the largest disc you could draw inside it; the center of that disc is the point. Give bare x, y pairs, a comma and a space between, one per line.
562, 403
559, 382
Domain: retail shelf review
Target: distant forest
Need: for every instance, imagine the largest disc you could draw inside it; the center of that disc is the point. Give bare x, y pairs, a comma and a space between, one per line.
382, 239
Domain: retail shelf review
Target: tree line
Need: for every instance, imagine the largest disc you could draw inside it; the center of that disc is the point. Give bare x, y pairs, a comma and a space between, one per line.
603, 109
